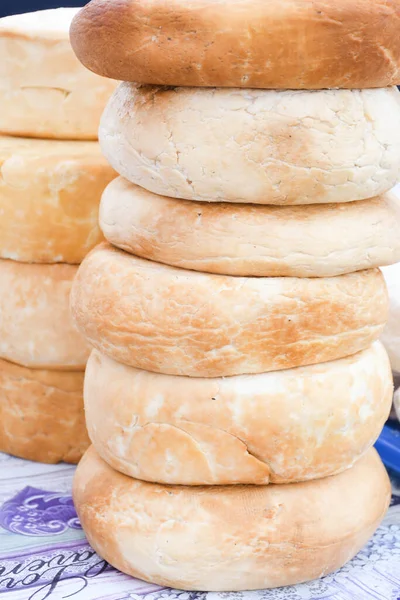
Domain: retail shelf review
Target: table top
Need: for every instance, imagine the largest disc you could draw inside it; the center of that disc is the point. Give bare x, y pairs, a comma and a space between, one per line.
44, 553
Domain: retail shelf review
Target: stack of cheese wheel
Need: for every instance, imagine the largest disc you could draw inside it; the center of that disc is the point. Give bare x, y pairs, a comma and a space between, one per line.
52, 175
235, 309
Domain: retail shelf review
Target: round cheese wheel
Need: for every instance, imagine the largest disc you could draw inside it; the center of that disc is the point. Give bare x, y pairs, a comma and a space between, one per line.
281, 427
247, 537
44, 90
242, 43
36, 328
41, 414
241, 239
255, 146
179, 322
49, 197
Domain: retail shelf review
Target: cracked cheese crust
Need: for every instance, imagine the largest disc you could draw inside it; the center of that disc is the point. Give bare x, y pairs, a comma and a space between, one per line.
41, 414
36, 328
281, 427
255, 146
295, 44
221, 538
241, 239
179, 322
44, 90
49, 197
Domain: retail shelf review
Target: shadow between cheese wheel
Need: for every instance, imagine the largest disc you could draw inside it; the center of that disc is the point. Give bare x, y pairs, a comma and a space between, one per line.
280, 427
241, 239
51, 402
36, 327
228, 538
159, 318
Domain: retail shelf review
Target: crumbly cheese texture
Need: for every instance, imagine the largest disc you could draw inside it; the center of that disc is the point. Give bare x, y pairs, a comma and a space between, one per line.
255, 146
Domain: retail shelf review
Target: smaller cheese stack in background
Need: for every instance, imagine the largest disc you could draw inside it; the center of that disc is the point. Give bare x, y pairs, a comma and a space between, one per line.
44, 91
236, 309
50, 191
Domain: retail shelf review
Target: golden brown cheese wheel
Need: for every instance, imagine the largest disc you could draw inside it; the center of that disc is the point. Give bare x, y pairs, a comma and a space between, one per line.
293, 44
246, 537
41, 414
280, 427
49, 199
159, 318
36, 327
241, 239
44, 90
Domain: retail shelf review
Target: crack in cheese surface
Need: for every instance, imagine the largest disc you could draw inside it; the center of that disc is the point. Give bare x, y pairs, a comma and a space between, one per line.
291, 425
255, 146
